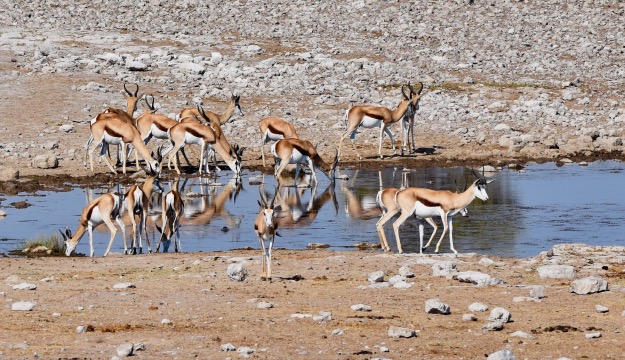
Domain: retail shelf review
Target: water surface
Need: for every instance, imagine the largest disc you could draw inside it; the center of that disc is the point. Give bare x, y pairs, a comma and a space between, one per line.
528, 211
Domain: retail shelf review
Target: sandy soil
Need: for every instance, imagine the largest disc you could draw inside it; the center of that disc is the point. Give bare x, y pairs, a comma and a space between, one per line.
207, 309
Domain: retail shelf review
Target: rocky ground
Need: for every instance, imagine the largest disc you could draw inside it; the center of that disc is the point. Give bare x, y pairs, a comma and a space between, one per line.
504, 81
320, 305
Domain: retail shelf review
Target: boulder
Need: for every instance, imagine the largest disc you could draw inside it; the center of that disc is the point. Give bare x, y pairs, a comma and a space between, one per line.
556, 272
435, 306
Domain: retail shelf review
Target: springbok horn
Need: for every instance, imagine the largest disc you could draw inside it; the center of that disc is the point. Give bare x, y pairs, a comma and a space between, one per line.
63, 235
403, 92
127, 91
420, 88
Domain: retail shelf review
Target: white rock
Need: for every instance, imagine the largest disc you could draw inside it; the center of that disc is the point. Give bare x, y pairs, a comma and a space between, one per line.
338, 332
477, 278
594, 335
406, 272
504, 354
521, 334
376, 277
444, 268
500, 314
601, 309
493, 326
537, 292
469, 317
66, 128
589, 285
125, 350
81, 329
264, 305
400, 332
556, 272
124, 286
478, 307
22, 306
237, 272
228, 347
435, 306
166, 322
24, 286
361, 307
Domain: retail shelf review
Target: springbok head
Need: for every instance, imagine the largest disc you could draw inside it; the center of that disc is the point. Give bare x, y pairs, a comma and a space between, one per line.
479, 185
237, 106
149, 106
70, 246
268, 207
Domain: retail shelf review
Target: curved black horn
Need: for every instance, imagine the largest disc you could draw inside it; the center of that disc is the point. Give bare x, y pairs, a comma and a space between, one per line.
420, 88
403, 92
63, 235
130, 93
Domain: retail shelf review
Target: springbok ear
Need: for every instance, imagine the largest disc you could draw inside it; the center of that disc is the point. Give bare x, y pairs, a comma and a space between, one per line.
260, 204
68, 232
63, 235
490, 181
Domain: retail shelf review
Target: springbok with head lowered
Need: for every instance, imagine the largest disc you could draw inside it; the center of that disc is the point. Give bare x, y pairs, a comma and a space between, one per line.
377, 116
203, 135
426, 203
117, 132
296, 151
99, 211
274, 129
173, 209
266, 227
137, 200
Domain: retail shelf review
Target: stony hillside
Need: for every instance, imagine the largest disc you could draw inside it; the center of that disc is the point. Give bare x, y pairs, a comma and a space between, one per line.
503, 79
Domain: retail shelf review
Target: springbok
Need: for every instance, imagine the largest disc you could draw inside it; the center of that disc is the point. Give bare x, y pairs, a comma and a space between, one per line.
216, 126
99, 211
116, 132
294, 212
296, 151
137, 200
274, 129
203, 135
377, 116
426, 203
266, 227
112, 113
233, 106
173, 209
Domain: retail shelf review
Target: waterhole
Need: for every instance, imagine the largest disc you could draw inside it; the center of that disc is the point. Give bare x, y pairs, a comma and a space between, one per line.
528, 211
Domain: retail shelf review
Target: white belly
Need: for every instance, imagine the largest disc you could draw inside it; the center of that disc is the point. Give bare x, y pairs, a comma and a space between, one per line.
96, 217
113, 140
274, 137
298, 158
423, 211
369, 122
158, 133
190, 139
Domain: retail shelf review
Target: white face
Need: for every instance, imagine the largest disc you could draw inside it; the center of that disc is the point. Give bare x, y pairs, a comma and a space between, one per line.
239, 111
480, 190
464, 212
268, 216
69, 249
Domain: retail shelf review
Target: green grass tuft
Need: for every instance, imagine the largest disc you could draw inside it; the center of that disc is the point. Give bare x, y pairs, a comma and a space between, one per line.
53, 242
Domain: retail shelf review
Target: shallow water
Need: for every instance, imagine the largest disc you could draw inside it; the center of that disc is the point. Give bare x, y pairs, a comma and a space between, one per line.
528, 211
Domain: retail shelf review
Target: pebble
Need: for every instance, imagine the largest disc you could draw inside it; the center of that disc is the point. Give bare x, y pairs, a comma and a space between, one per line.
594, 335
376, 277
601, 309
435, 306
469, 317
124, 286
400, 332
24, 286
264, 305
166, 322
500, 314
521, 334
338, 332
125, 350
22, 306
478, 307
237, 272
361, 307
228, 347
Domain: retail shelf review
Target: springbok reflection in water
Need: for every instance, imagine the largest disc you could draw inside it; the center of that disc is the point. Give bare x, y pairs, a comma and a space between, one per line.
298, 209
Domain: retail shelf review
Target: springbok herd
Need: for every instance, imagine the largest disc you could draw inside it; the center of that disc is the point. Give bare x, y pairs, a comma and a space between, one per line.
200, 127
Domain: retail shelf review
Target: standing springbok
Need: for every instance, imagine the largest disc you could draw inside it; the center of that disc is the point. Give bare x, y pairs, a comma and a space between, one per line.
216, 126
233, 106
377, 116
266, 227
203, 135
111, 113
296, 151
118, 132
137, 200
99, 211
274, 129
173, 209
386, 202
426, 203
